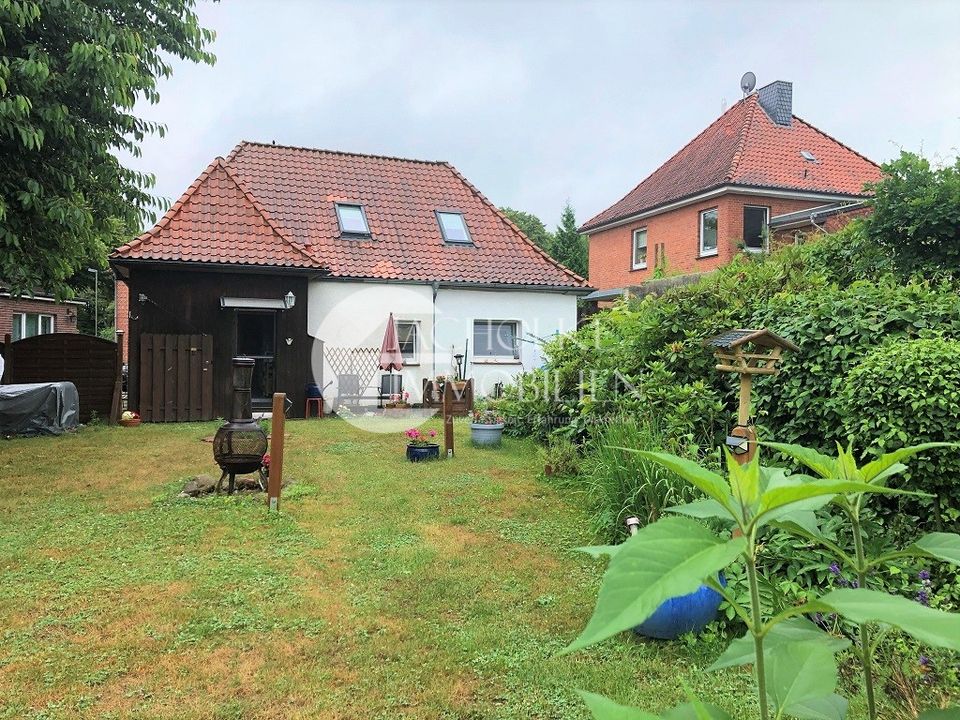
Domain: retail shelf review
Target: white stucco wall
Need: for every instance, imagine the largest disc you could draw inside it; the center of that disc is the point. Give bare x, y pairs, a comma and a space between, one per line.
354, 314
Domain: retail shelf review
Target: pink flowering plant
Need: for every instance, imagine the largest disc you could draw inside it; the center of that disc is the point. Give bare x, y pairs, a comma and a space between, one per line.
398, 400
419, 438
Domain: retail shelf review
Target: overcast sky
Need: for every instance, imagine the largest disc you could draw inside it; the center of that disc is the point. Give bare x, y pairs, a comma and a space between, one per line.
538, 102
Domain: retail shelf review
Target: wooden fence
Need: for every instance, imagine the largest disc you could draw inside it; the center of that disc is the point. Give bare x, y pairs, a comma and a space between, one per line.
92, 364
176, 377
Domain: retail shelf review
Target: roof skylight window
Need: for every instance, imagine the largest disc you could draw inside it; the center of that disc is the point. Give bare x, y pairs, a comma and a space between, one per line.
453, 226
808, 156
353, 220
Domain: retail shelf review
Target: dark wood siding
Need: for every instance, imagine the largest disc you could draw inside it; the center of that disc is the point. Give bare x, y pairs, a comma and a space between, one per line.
187, 302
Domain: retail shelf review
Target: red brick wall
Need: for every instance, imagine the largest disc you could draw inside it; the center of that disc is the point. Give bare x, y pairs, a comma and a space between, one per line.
833, 223
679, 231
62, 322
121, 311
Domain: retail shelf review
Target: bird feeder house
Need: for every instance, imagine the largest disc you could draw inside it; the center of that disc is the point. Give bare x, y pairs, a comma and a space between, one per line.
747, 353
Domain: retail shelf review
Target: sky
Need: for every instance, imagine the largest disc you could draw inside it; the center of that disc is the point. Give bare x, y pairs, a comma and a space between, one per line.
542, 102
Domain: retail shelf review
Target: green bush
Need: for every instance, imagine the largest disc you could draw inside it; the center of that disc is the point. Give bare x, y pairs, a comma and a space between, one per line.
836, 328
905, 393
621, 483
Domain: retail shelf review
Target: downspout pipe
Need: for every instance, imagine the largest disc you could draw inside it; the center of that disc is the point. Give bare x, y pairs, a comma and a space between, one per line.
435, 286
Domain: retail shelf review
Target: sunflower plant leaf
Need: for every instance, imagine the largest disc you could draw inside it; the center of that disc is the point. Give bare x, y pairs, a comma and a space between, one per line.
665, 559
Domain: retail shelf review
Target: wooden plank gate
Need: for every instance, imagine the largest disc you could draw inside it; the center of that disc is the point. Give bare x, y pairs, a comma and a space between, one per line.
92, 364
176, 377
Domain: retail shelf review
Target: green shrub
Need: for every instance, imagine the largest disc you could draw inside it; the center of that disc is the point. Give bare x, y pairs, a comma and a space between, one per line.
621, 483
835, 328
905, 393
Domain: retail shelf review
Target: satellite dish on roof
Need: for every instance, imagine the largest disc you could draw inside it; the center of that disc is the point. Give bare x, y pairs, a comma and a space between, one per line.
748, 82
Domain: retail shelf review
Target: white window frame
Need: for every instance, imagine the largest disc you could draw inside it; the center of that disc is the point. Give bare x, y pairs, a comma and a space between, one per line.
415, 358
766, 224
634, 265
19, 319
716, 249
509, 359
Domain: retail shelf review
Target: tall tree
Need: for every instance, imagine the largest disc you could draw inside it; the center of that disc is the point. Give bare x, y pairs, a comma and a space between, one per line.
70, 74
569, 246
531, 225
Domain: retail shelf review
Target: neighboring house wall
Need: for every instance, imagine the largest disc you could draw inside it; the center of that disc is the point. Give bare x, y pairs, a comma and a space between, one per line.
796, 235
354, 314
187, 302
121, 314
679, 231
64, 314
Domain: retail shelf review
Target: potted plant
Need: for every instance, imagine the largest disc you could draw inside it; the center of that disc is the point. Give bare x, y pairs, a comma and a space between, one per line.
129, 419
486, 430
420, 445
397, 402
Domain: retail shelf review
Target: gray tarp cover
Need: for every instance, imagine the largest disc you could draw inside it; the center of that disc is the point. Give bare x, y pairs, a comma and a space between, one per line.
38, 408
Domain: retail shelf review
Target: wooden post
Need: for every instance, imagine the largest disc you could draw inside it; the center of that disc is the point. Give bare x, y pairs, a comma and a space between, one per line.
448, 419
744, 429
276, 452
7, 360
116, 406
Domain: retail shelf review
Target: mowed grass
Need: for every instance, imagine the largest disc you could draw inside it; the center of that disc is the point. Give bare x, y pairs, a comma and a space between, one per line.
383, 589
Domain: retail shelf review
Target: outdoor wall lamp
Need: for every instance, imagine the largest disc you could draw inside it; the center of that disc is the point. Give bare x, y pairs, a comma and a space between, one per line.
289, 300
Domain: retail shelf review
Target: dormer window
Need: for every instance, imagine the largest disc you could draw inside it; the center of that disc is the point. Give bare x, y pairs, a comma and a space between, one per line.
353, 220
453, 227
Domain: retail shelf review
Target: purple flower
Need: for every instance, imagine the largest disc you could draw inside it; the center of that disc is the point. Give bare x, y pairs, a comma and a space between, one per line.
854, 584
923, 597
834, 568
924, 575
924, 661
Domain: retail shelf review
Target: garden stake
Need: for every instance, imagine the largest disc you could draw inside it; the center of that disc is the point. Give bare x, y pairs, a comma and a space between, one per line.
276, 452
448, 420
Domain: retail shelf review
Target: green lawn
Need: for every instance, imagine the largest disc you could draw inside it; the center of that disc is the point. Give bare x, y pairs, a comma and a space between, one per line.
384, 589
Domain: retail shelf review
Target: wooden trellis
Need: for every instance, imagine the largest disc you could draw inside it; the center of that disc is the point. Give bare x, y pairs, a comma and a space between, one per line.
362, 363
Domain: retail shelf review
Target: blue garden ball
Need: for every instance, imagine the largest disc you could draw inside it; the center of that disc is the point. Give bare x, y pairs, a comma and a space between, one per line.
687, 613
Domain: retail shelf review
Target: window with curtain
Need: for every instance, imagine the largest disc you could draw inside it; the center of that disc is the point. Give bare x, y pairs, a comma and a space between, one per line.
639, 249
408, 337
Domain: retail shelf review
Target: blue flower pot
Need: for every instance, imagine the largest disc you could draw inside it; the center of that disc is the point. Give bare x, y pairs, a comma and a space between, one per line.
419, 453
687, 613
486, 435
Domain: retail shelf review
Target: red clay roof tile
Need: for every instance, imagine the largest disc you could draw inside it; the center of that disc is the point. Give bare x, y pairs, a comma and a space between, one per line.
275, 205
745, 147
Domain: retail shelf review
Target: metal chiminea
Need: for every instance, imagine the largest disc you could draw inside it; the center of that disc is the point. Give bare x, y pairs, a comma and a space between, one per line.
239, 445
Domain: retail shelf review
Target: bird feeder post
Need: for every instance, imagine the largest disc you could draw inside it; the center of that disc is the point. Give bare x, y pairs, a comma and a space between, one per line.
747, 353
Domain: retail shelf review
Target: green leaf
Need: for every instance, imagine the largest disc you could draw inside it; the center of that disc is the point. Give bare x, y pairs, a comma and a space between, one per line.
706, 508
792, 630
696, 711
710, 483
599, 551
872, 469
606, 709
823, 465
939, 545
744, 479
944, 714
796, 488
665, 559
831, 707
799, 672
927, 625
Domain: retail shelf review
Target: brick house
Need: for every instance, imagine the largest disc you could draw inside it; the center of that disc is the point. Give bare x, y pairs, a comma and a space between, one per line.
36, 314
717, 195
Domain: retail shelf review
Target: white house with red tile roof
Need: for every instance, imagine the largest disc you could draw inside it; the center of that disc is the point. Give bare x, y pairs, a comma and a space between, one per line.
717, 194
351, 238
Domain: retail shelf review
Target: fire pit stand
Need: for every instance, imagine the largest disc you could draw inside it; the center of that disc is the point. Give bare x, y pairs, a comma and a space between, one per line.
239, 445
